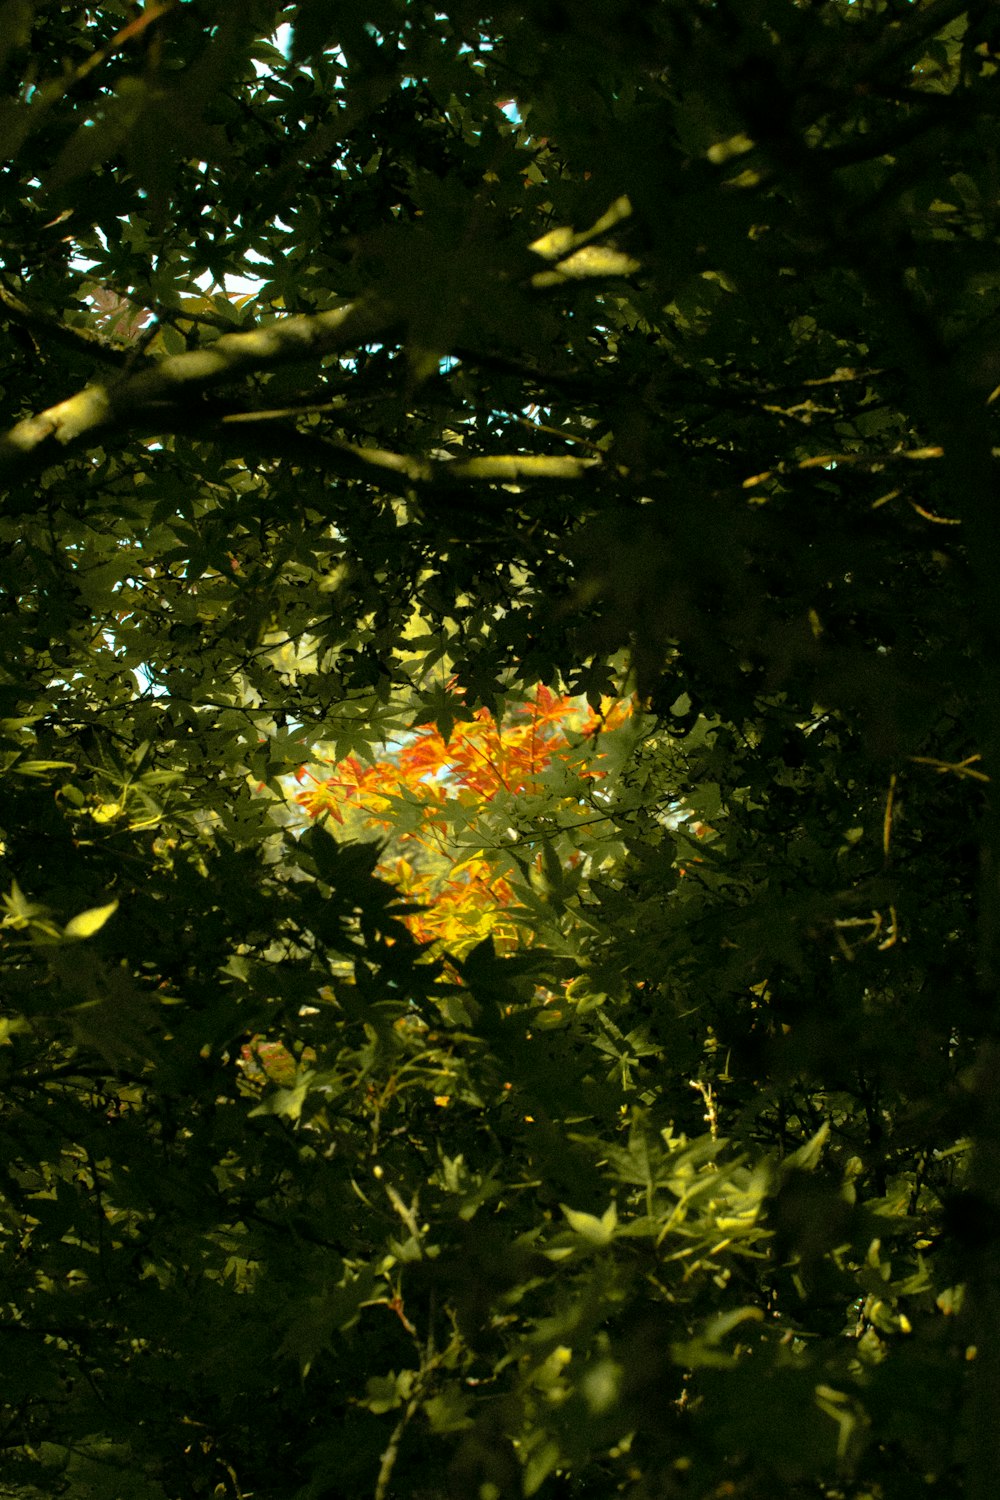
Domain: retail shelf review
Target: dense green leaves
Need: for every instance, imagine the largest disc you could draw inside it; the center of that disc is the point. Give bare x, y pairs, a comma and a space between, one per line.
365, 366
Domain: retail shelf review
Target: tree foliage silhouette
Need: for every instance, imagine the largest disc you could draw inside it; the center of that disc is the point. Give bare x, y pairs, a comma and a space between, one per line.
383, 375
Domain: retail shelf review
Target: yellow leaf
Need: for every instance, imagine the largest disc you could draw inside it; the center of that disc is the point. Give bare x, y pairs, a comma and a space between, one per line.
106, 812
722, 151
86, 923
599, 1231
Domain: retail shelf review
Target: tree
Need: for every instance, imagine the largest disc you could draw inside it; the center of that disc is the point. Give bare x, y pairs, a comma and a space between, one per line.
637, 352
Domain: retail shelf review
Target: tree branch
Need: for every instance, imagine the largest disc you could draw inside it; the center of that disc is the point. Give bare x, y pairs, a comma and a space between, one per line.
83, 341
99, 407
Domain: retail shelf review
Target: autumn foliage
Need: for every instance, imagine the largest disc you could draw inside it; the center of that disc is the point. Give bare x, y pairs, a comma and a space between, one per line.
449, 808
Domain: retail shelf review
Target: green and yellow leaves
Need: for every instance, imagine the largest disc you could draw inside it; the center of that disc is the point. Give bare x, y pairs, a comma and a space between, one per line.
35, 920
582, 1115
576, 257
20, 913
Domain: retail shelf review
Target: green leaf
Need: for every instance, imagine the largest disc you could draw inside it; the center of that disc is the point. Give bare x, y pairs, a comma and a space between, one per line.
286, 1102
808, 1155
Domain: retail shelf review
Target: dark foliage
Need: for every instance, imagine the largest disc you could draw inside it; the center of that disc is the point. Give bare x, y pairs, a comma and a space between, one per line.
368, 363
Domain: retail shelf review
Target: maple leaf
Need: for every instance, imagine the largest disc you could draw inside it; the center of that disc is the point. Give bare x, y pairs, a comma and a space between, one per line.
439, 796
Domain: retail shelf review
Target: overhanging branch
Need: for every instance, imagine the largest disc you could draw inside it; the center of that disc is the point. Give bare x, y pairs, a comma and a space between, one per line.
399, 473
35, 441
158, 398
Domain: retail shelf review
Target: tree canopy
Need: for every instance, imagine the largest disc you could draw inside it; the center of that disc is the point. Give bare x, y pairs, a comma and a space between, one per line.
498, 717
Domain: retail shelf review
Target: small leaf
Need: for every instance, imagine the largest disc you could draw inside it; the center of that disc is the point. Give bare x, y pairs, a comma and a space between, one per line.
597, 1231
10, 1026
41, 767
723, 151
381, 1394
86, 923
716, 1328
106, 812
19, 909
807, 1156
286, 1101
